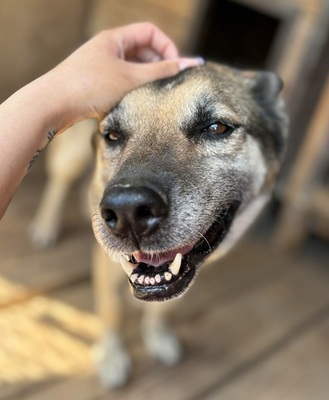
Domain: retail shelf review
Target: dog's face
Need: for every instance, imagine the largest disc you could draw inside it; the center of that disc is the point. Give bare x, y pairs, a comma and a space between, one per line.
183, 166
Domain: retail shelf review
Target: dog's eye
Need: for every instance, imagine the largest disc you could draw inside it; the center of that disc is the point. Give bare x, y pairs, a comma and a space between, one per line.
217, 128
112, 136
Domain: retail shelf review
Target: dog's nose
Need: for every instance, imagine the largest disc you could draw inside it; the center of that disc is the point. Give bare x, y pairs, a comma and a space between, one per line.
135, 210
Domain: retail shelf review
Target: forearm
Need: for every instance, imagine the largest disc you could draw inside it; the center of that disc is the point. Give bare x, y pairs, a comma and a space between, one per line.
28, 121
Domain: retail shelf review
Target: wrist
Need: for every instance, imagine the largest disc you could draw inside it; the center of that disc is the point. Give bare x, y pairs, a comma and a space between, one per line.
52, 102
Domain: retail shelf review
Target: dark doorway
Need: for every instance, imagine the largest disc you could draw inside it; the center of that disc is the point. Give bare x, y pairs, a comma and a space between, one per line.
235, 34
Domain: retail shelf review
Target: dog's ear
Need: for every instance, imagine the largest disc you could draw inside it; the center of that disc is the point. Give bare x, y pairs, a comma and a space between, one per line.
264, 85
265, 88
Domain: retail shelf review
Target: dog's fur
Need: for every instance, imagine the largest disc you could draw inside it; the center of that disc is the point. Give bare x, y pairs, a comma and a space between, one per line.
183, 166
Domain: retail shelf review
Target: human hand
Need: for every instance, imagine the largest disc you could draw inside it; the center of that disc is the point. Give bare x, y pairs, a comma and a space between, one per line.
87, 84
114, 62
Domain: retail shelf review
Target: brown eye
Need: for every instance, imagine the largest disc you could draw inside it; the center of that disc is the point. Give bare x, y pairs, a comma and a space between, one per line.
217, 128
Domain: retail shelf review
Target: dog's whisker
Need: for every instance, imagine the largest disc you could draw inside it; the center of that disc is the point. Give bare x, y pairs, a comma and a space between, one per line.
205, 239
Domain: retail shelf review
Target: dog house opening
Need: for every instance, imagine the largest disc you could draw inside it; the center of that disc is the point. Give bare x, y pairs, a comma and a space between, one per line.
236, 34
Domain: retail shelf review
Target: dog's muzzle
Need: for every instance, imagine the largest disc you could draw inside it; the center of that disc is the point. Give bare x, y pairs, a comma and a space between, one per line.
134, 212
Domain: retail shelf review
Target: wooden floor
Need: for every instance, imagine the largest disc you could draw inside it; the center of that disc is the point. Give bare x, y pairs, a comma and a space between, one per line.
255, 327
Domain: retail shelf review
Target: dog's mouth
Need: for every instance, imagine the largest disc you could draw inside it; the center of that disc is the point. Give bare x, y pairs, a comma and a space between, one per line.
163, 276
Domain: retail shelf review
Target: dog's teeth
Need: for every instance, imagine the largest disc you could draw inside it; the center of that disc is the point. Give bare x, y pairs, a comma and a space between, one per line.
147, 280
141, 279
152, 281
175, 265
127, 266
167, 276
126, 257
134, 278
158, 278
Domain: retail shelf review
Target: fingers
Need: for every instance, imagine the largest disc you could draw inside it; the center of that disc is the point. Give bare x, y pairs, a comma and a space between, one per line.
147, 35
144, 55
164, 69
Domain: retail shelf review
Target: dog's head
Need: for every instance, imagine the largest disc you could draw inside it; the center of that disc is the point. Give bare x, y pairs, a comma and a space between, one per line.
183, 166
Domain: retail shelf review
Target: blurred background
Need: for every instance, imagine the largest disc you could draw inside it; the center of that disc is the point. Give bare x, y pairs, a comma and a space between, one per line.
255, 326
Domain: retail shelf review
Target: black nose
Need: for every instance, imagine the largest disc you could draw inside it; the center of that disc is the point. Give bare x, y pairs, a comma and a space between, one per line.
135, 210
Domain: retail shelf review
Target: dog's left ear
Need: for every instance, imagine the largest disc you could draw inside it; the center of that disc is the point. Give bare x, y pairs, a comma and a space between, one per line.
266, 86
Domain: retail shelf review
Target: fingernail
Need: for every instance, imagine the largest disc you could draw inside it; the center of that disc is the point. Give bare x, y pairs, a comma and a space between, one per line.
185, 63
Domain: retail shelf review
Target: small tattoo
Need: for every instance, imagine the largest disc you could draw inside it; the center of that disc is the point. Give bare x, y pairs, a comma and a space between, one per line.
36, 155
50, 137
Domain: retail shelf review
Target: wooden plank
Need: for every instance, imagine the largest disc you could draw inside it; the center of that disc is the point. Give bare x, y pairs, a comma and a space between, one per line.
14, 225
313, 148
44, 340
173, 17
293, 223
47, 269
67, 258
248, 265
43, 37
297, 372
229, 334
62, 323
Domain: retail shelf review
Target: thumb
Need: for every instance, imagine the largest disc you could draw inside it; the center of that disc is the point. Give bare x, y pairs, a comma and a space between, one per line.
164, 69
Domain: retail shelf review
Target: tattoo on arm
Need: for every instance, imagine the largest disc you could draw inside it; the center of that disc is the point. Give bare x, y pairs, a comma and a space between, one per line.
50, 137
36, 155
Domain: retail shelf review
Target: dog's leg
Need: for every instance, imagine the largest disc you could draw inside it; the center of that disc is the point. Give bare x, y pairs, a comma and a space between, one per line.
112, 360
45, 227
67, 158
158, 339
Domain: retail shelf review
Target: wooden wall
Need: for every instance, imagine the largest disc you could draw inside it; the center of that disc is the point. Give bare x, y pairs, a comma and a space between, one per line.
37, 34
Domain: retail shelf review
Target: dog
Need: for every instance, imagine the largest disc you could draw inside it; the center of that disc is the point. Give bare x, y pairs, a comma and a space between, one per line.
183, 166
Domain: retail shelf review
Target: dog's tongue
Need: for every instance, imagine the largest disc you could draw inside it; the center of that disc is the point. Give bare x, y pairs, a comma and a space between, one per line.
157, 259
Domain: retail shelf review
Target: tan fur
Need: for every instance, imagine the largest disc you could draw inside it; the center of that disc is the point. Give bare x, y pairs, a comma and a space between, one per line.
67, 158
